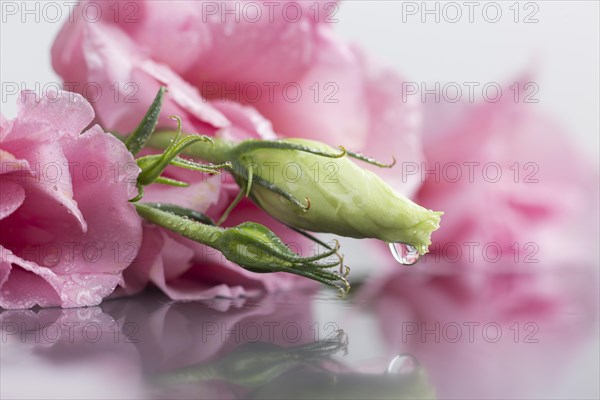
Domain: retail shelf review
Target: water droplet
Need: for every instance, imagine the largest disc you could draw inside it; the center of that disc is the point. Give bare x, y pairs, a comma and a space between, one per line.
402, 364
404, 253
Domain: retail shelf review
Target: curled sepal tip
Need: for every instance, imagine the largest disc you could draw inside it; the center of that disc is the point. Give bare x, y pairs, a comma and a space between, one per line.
183, 212
252, 145
371, 160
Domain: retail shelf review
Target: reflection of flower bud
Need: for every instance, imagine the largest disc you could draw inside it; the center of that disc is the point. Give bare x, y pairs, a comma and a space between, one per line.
339, 197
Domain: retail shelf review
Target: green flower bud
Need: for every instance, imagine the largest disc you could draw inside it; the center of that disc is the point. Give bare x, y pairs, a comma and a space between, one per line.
250, 245
320, 191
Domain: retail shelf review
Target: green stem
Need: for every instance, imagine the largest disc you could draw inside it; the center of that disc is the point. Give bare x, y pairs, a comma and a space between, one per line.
217, 153
206, 234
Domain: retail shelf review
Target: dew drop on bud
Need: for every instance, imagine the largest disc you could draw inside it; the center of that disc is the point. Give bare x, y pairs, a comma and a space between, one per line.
402, 364
404, 253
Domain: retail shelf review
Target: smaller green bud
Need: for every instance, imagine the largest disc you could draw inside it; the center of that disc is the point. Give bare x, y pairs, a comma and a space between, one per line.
309, 185
258, 249
250, 245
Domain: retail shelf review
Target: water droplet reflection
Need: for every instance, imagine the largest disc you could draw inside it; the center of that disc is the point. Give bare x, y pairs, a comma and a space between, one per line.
402, 364
404, 253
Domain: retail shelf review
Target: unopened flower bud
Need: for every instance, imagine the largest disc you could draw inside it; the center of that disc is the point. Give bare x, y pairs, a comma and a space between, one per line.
321, 190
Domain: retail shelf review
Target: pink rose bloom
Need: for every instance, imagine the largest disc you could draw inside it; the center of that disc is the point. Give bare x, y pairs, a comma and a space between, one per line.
526, 199
67, 230
130, 61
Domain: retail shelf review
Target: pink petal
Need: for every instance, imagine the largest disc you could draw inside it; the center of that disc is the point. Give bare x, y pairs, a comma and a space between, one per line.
103, 175
127, 80
246, 122
198, 196
103, 187
28, 285
137, 275
12, 196
394, 124
35, 136
4, 127
339, 115
4, 269
268, 50
50, 117
50, 176
10, 164
183, 95
537, 161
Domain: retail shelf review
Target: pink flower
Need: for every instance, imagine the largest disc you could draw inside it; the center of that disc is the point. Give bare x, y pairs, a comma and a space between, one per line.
192, 53
518, 195
67, 229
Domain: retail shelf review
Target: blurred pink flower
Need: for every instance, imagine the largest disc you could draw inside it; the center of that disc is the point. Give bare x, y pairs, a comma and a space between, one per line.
518, 195
187, 48
67, 229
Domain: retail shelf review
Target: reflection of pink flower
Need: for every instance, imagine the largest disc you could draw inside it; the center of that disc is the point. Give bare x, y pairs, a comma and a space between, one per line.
508, 338
197, 56
173, 335
127, 344
68, 353
67, 229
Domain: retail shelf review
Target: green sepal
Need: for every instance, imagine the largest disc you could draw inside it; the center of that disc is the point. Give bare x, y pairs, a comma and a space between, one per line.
183, 212
153, 169
195, 166
171, 182
140, 136
178, 221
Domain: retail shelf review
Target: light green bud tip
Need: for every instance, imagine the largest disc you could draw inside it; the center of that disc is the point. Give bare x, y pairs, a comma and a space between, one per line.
340, 197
